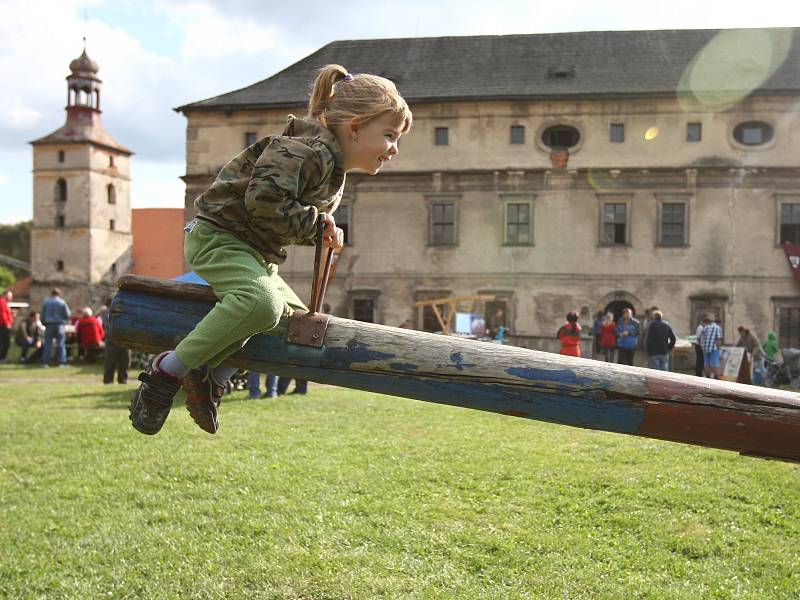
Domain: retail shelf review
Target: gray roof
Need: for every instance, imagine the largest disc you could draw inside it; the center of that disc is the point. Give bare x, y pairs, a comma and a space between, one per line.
611, 64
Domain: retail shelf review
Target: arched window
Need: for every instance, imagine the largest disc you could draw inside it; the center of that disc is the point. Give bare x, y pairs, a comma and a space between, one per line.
560, 136
61, 190
111, 193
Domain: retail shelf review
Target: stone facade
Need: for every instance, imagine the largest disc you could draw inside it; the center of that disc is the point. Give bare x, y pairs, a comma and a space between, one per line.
697, 226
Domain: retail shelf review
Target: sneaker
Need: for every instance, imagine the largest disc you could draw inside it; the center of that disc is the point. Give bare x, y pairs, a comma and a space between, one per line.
152, 401
269, 395
203, 395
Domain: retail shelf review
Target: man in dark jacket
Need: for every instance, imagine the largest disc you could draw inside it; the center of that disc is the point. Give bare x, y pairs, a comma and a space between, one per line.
660, 342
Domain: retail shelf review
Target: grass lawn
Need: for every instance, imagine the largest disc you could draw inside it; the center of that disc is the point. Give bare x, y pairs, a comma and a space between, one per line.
344, 494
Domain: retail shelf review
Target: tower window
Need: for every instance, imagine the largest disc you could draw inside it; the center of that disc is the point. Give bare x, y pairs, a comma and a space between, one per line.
110, 161
61, 190
60, 221
59, 265
111, 193
61, 156
111, 224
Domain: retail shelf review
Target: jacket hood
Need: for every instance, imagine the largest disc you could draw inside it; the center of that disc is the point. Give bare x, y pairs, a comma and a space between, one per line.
302, 127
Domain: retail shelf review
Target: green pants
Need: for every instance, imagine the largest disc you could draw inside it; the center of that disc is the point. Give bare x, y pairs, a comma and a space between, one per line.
252, 295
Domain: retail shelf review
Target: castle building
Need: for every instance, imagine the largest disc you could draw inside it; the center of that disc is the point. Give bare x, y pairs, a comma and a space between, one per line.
578, 171
81, 236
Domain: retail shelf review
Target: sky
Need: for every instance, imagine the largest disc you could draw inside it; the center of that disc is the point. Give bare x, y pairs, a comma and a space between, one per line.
155, 55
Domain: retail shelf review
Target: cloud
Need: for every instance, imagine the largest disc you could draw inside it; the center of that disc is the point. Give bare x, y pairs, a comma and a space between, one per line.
4, 179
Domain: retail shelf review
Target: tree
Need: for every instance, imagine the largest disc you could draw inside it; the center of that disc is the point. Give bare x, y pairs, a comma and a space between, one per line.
7, 278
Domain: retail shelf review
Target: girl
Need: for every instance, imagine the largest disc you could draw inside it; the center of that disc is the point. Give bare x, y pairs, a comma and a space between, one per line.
269, 196
570, 335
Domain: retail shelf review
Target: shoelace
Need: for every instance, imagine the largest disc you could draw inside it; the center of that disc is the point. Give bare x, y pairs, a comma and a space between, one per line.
155, 392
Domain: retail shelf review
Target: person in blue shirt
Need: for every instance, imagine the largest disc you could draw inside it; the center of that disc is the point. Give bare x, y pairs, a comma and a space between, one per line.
627, 337
55, 315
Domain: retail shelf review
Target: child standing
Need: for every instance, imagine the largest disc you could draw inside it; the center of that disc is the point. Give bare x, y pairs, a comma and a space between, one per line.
271, 195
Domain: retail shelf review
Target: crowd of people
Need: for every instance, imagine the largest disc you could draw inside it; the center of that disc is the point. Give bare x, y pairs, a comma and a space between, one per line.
621, 337
55, 335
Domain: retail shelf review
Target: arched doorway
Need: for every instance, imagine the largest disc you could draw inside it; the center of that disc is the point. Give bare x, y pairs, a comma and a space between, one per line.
615, 307
614, 302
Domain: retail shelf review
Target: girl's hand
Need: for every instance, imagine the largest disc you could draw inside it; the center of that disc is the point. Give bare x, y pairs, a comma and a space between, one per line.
332, 236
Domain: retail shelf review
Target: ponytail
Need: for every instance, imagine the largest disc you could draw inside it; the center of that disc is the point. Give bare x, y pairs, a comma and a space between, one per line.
339, 97
327, 77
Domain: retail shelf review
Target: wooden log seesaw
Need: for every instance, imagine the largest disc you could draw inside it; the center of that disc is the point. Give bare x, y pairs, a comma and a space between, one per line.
153, 315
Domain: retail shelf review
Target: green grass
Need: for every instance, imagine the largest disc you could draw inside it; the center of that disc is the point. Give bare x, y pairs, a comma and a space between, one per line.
344, 494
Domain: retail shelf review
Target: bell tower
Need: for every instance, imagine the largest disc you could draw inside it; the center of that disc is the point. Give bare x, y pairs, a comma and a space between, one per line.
81, 236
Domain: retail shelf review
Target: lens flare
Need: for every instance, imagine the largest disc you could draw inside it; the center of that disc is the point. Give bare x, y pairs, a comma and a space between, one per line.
731, 66
651, 133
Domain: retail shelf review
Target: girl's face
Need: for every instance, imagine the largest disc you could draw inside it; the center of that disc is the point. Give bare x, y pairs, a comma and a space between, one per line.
368, 146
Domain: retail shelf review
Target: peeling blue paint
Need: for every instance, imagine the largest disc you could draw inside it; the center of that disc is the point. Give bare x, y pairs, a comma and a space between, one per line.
459, 361
563, 376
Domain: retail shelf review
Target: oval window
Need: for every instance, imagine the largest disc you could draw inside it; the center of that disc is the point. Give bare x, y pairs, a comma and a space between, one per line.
753, 133
560, 136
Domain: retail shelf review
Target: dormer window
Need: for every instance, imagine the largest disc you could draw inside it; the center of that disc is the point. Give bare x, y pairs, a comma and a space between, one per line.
561, 72
753, 133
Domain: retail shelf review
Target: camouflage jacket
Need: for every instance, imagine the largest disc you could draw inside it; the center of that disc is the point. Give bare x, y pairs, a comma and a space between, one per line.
271, 194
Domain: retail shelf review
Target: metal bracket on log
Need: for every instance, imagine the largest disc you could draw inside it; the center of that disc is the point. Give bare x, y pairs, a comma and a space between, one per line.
307, 329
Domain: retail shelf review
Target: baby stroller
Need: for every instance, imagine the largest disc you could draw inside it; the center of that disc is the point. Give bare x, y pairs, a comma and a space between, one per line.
785, 372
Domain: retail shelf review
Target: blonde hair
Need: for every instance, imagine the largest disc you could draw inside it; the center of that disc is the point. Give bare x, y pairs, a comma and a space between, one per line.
338, 97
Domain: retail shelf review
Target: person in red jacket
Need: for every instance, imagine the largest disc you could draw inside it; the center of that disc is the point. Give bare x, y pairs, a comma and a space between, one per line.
570, 335
89, 333
608, 337
6, 322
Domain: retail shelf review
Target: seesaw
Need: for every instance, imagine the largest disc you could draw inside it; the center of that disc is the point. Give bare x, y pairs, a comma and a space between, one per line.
153, 315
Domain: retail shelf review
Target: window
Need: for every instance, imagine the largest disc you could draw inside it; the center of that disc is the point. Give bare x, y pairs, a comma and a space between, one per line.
61, 190
753, 133
441, 136
790, 223
518, 223
430, 322
694, 132
59, 265
560, 136
250, 138
672, 224
111, 194
364, 310
614, 224
342, 218
60, 223
617, 133
442, 229
495, 316
110, 161
703, 306
111, 224
61, 156
517, 134
113, 270
789, 326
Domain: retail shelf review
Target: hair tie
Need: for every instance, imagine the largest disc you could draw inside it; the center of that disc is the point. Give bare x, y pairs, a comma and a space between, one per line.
347, 77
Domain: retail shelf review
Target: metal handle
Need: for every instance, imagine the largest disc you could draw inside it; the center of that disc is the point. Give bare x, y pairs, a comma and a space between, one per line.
318, 287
